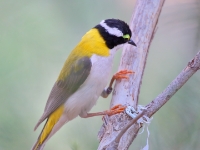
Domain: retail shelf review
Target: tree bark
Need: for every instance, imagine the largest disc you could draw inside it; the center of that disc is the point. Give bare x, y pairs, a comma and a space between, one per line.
119, 131
126, 92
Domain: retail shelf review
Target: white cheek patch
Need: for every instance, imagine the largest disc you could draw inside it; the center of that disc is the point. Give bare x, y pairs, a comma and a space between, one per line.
112, 31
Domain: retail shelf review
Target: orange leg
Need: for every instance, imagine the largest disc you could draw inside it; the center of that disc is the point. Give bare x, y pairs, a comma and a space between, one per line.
119, 75
116, 109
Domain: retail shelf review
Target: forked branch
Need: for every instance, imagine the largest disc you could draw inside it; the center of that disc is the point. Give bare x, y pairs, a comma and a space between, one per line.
119, 131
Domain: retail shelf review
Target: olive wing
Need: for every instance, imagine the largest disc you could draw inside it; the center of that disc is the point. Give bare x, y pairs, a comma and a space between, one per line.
64, 88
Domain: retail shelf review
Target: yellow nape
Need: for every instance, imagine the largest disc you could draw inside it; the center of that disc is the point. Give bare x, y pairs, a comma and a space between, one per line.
52, 120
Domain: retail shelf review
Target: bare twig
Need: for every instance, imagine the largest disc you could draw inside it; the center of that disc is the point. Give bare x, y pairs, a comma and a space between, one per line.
117, 139
114, 144
160, 100
174, 86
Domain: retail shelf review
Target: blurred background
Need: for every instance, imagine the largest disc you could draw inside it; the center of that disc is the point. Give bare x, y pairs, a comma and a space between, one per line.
37, 36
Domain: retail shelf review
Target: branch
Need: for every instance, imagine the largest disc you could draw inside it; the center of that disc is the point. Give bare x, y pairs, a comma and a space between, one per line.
161, 99
120, 130
113, 145
143, 25
164, 97
174, 86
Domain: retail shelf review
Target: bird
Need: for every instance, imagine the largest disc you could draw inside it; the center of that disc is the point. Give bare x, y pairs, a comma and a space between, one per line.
84, 77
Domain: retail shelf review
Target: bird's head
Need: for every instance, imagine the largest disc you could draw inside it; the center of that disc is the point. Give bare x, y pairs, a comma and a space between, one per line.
115, 32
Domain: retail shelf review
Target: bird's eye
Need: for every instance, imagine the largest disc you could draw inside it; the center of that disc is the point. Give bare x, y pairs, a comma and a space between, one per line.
126, 37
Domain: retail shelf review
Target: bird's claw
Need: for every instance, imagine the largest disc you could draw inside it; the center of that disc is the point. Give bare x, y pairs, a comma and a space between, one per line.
115, 110
122, 74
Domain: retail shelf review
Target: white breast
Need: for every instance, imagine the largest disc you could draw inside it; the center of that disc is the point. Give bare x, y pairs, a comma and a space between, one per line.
85, 98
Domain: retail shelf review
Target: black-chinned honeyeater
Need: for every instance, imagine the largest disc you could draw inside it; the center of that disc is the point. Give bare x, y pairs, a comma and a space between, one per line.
84, 77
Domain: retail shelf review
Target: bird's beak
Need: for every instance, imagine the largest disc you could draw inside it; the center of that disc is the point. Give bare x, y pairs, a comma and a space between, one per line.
132, 43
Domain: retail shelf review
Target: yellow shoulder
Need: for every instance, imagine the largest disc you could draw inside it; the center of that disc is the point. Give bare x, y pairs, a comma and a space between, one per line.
90, 44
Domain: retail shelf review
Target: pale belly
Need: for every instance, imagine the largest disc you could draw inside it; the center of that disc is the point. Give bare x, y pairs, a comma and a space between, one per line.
85, 98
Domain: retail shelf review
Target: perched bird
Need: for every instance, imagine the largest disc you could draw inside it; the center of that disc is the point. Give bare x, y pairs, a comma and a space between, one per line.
84, 77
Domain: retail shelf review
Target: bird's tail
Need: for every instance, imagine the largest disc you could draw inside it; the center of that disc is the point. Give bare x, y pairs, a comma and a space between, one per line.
39, 144
55, 121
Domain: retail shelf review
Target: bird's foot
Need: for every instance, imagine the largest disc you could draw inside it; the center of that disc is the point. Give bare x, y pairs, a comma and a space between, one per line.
122, 74
115, 110
119, 75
